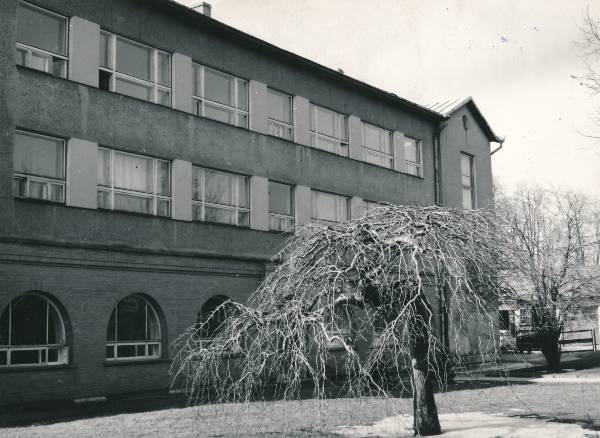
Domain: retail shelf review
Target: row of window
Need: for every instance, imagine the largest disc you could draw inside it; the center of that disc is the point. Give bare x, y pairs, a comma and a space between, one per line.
142, 184
140, 71
32, 329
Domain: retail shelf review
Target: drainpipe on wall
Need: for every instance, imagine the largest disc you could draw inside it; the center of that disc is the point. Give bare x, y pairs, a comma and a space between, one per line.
499, 147
437, 164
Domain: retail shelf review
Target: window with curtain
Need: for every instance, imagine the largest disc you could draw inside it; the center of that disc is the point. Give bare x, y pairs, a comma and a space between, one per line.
221, 197
39, 167
136, 183
41, 39
220, 96
413, 163
328, 208
281, 206
328, 130
134, 69
133, 330
377, 146
281, 120
32, 332
467, 181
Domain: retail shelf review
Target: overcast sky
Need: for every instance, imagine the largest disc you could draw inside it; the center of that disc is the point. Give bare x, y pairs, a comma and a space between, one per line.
515, 57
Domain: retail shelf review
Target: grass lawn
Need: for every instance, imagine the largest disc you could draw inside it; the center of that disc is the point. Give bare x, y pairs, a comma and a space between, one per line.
558, 402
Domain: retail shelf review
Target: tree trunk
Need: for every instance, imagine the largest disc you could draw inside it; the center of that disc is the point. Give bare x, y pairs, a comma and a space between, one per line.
426, 420
550, 350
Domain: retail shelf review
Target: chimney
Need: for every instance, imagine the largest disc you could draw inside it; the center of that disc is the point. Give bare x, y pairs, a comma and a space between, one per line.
201, 7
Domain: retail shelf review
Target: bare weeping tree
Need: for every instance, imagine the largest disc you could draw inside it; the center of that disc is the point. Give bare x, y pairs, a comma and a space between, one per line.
554, 240
363, 302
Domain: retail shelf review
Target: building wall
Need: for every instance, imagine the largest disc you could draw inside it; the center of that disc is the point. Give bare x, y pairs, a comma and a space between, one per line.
88, 259
454, 139
87, 284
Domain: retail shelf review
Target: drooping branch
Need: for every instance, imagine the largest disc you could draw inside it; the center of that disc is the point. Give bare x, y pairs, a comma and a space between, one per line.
349, 302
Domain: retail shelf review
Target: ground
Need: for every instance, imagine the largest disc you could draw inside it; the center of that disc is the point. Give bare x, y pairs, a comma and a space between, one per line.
567, 406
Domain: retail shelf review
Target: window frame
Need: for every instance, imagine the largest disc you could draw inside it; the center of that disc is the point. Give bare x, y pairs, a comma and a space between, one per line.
366, 149
199, 102
42, 179
145, 343
61, 347
471, 186
203, 203
153, 84
291, 217
154, 196
339, 324
278, 124
224, 306
343, 146
341, 198
29, 49
407, 164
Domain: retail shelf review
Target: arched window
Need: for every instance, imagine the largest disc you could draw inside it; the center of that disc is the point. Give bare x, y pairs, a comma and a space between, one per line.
32, 332
212, 315
133, 330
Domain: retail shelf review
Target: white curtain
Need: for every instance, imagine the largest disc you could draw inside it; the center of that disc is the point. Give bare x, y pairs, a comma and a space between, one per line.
133, 173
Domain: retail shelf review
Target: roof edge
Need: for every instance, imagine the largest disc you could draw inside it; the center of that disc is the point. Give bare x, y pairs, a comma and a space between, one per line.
264, 45
470, 102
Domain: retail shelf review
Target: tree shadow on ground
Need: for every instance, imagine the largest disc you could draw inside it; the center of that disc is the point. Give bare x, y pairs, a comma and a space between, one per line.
588, 423
582, 361
55, 412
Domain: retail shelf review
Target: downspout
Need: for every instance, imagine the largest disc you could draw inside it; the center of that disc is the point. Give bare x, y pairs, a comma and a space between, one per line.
439, 201
437, 164
501, 141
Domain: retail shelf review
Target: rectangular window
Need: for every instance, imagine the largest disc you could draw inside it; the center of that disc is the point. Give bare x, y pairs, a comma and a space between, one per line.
39, 167
130, 182
467, 181
220, 197
220, 96
328, 208
328, 130
281, 116
134, 69
377, 146
41, 40
281, 206
525, 317
413, 161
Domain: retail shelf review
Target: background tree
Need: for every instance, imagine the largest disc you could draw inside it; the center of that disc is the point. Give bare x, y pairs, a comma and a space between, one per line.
590, 51
387, 272
553, 236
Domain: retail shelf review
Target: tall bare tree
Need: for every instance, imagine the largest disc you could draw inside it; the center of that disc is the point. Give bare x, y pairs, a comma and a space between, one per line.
346, 299
590, 51
553, 236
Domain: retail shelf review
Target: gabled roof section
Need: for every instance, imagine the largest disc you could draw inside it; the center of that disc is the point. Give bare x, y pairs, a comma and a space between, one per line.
449, 107
261, 45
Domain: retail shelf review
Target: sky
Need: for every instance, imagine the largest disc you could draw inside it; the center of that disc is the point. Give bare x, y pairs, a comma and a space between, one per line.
518, 59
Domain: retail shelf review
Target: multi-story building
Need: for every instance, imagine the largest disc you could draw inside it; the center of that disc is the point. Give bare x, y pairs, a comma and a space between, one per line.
152, 159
